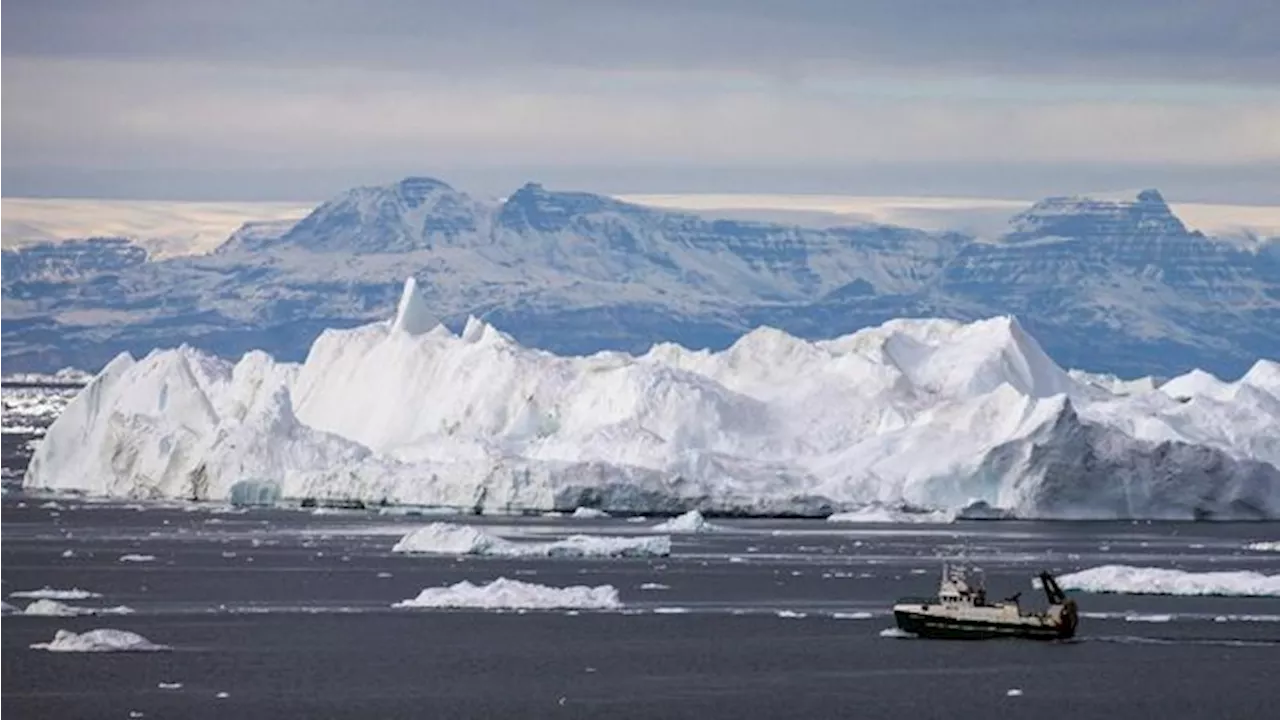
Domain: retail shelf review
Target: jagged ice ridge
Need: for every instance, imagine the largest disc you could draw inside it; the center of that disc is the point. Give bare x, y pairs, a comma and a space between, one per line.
932, 414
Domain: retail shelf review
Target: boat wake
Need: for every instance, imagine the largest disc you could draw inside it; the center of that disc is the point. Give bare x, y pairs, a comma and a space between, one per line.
1215, 642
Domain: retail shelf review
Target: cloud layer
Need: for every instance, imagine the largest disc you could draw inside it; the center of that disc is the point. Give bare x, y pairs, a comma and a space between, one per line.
152, 91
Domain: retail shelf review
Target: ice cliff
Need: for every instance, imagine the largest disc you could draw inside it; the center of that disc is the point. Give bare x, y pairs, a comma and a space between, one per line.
928, 413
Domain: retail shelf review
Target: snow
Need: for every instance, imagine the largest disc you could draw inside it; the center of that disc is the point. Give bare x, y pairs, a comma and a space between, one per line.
48, 593
1264, 546
514, 594
930, 414
452, 539
167, 228
690, 522
101, 640
1130, 580
586, 512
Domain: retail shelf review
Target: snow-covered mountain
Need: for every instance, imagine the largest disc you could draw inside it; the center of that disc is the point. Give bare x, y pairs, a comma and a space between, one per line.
1115, 286
931, 413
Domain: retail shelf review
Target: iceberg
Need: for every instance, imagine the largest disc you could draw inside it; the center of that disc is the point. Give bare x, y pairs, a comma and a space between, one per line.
101, 640
1264, 546
452, 539
1129, 580
930, 414
505, 594
588, 513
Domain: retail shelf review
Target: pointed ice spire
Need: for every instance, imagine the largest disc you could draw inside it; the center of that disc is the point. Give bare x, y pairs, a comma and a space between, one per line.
413, 316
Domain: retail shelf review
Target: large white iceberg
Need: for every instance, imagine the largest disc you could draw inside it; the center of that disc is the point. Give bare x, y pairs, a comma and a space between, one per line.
933, 414
452, 539
1129, 580
102, 640
505, 594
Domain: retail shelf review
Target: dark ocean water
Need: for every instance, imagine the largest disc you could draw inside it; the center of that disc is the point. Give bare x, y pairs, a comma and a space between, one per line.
288, 613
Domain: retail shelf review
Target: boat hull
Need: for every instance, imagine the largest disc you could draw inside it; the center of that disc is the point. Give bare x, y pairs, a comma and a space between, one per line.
948, 628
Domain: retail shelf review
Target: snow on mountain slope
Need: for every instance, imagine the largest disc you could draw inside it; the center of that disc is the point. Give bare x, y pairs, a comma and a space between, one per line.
929, 413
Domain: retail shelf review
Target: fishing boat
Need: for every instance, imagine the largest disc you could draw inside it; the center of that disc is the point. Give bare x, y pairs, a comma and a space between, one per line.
961, 611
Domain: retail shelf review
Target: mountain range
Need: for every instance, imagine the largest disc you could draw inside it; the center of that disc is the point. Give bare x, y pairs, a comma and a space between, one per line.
1117, 286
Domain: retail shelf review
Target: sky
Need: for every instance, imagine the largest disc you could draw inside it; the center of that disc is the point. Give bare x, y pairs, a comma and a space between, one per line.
298, 99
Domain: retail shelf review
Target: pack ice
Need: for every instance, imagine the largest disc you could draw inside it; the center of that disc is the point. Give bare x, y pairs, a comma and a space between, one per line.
930, 414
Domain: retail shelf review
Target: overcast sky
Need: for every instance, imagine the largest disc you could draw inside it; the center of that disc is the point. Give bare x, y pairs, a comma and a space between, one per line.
297, 99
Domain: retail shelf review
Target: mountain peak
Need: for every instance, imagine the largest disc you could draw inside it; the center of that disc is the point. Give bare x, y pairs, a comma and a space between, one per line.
1151, 196
415, 190
1147, 214
414, 213
535, 207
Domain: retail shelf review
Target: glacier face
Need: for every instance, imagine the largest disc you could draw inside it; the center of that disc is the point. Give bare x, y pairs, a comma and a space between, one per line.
928, 413
1121, 287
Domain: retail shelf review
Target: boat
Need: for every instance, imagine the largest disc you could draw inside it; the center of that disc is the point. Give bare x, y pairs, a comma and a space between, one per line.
961, 612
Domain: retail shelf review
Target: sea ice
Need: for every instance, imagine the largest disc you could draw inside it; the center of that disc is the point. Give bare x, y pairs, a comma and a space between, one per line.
509, 594
48, 593
690, 522
101, 640
881, 514
136, 558
453, 539
586, 512
53, 608
1125, 579
1264, 546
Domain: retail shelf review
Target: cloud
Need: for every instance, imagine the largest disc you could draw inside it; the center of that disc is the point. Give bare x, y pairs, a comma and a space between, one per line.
214, 116
138, 88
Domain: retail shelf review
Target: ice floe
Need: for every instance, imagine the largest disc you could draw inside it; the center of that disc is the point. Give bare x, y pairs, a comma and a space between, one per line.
137, 558
1264, 546
586, 512
48, 593
690, 522
1128, 580
454, 539
507, 594
101, 640
53, 608
875, 513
